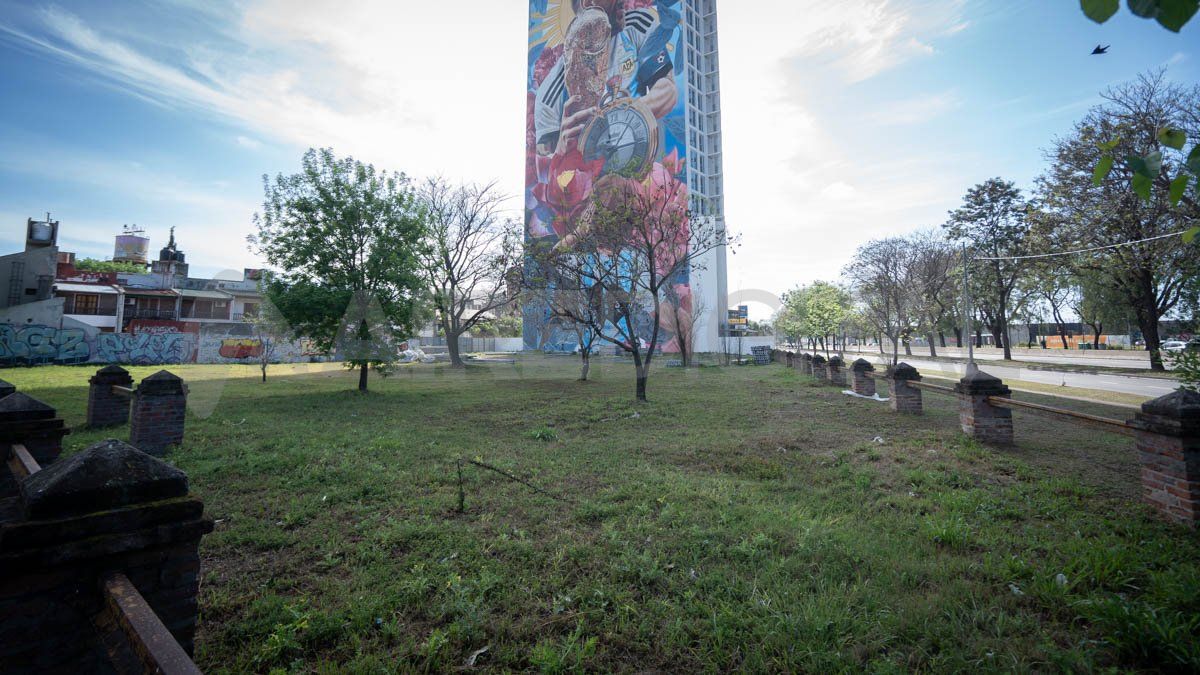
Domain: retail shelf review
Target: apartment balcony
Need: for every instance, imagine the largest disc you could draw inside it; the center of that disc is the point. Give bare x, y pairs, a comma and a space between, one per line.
159, 314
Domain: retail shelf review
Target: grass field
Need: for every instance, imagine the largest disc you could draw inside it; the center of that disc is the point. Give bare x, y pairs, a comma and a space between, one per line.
745, 518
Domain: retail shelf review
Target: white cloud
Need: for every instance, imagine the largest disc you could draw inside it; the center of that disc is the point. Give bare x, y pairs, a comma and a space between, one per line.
248, 143
915, 110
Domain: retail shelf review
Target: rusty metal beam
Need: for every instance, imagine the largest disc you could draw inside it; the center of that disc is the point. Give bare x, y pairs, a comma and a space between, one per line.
1107, 423
150, 640
931, 387
122, 391
22, 464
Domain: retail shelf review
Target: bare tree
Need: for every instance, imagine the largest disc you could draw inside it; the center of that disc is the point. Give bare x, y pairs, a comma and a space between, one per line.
634, 240
467, 253
881, 275
932, 294
270, 329
683, 322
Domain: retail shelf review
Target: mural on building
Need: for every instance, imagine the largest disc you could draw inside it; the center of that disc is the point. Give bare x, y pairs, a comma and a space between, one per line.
604, 112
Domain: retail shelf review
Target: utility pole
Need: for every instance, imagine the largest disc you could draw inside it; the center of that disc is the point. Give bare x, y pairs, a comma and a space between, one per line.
966, 293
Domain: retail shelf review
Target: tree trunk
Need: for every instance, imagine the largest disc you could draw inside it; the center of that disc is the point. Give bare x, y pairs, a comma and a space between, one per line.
1149, 326
1099, 328
932, 346
978, 338
941, 338
264, 372
452, 347
587, 365
641, 376
958, 338
362, 377
908, 347
1004, 336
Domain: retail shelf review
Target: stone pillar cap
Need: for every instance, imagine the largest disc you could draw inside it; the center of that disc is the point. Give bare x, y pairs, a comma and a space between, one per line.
162, 382
113, 373
1176, 414
862, 364
107, 475
807, 356
19, 407
903, 371
836, 360
818, 358
7, 388
980, 382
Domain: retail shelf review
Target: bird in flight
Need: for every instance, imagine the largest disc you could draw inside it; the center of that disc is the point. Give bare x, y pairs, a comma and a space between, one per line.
1100, 50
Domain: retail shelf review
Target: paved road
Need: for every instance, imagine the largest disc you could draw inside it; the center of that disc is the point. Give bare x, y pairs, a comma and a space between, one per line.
1137, 360
1150, 387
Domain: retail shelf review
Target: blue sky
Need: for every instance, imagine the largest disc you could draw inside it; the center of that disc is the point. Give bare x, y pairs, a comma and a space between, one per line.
843, 121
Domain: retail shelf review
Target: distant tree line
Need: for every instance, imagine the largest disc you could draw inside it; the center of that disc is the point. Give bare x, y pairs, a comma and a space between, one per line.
897, 289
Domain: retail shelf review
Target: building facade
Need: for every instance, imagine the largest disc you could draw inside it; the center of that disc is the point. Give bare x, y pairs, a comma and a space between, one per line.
625, 94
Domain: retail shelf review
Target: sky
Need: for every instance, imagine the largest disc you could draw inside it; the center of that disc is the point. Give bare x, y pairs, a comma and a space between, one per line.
842, 121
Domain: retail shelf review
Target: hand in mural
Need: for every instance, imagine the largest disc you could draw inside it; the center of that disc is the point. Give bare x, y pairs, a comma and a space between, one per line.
576, 117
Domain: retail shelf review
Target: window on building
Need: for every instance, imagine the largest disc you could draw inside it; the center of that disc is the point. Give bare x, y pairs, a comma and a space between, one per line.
86, 304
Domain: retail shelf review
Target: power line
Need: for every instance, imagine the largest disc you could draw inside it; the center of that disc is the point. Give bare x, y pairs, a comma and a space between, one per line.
1086, 250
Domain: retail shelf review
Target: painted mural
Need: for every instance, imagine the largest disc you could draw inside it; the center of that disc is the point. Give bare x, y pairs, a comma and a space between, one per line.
35, 345
605, 112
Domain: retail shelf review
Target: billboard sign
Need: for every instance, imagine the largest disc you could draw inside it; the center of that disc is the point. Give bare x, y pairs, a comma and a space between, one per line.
606, 97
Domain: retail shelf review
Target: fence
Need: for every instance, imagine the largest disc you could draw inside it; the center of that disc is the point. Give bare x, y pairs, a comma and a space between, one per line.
99, 552
1166, 431
473, 345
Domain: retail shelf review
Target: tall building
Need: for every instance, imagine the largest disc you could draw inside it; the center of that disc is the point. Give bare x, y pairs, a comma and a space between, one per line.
625, 89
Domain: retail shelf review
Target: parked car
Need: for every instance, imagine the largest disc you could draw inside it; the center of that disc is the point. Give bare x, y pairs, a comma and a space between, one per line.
1174, 346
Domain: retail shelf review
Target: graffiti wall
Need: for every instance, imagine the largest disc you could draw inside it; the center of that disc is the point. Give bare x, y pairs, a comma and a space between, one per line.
147, 344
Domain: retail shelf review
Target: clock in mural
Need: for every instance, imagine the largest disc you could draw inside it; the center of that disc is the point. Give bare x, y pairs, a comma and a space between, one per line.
624, 135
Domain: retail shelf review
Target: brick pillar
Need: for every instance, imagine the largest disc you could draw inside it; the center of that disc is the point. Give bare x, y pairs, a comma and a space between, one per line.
28, 421
980, 419
863, 383
820, 368
1167, 433
110, 508
790, 357
806, 364
106, 408
159, 404
7, 388
903, 398
837, 371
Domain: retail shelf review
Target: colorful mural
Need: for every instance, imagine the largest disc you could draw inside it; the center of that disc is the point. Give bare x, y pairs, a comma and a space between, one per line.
605, 111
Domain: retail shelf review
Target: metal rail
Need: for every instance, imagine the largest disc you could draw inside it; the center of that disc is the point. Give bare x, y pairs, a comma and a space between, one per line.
931, 387
1107, 423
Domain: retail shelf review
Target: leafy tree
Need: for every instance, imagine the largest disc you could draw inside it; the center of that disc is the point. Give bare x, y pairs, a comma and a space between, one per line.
826, 307
467, 255
992, 222
345, 238
933, 294
94, 265
1101, 217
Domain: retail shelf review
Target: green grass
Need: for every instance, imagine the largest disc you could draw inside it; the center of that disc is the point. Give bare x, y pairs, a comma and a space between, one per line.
743, 519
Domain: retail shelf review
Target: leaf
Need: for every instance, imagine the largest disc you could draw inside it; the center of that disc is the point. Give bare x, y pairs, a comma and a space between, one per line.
1109, 145
1172, 138
1173, 14
1142, 185
1193, 160
1099, 10
1190, 235
1143, 8
1104, 166
1147, 166
1178, 186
